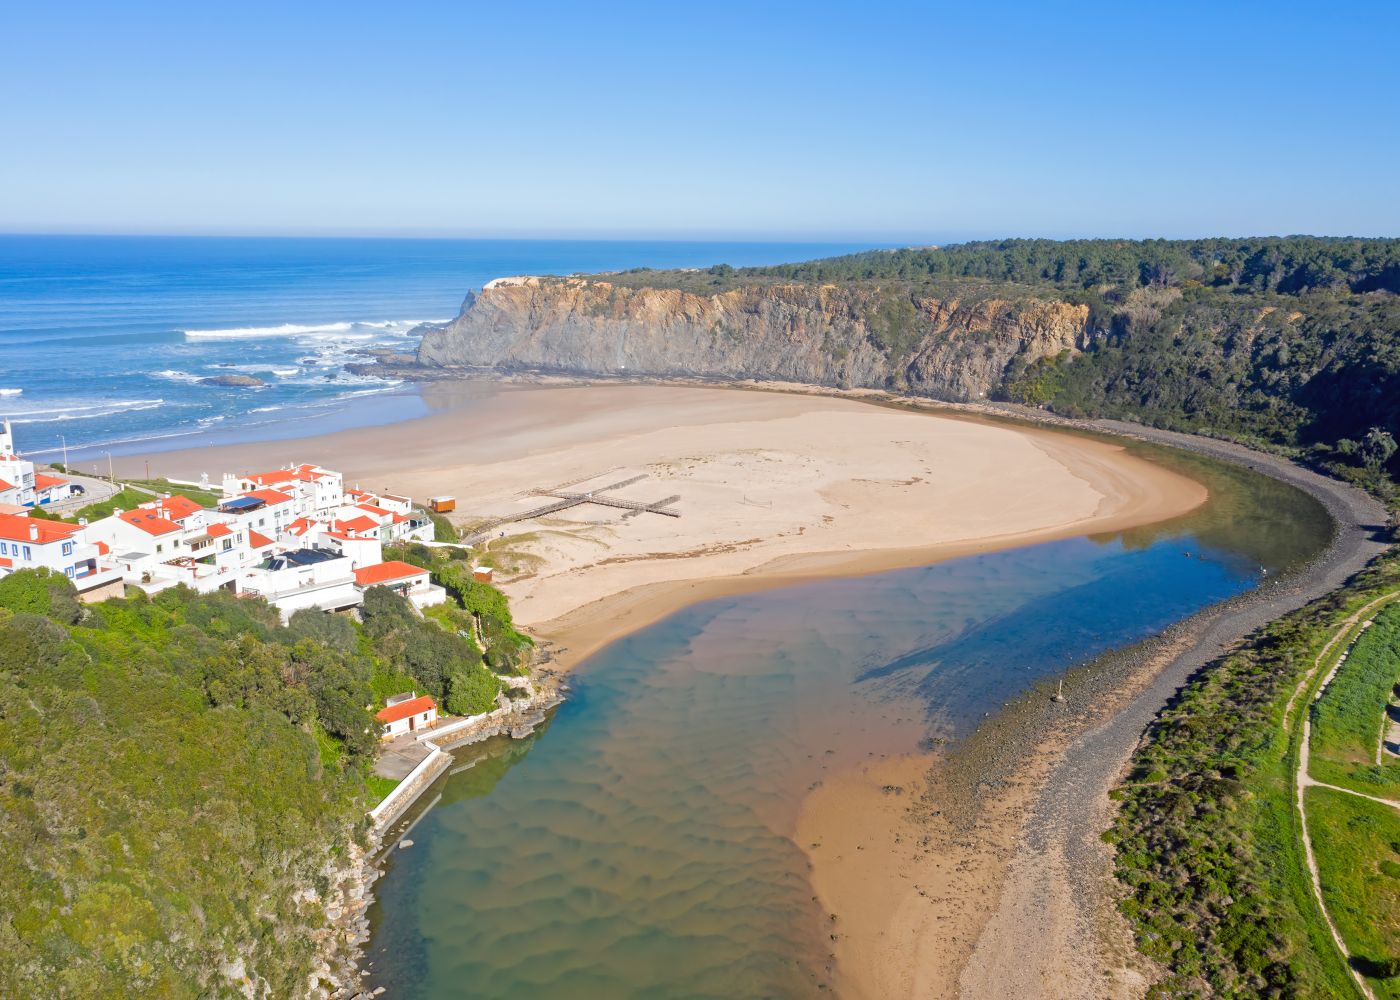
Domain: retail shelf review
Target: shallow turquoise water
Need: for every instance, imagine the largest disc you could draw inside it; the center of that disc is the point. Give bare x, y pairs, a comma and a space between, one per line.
638, 847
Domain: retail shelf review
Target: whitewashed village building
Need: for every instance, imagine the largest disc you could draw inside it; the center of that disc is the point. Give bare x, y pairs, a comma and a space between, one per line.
407, 713
30, 543
20, 484
294, 536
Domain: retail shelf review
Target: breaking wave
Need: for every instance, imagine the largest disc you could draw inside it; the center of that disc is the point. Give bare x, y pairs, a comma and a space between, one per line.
310, 330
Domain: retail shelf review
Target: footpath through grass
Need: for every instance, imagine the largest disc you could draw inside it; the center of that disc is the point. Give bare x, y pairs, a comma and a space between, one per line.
1208, 841
1357, 844
1348, 719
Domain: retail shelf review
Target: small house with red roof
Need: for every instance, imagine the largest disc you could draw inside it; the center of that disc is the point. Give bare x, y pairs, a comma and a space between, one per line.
404, 579
407, 713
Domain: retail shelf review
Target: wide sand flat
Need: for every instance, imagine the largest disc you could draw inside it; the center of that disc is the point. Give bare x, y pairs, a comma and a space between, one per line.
772, 487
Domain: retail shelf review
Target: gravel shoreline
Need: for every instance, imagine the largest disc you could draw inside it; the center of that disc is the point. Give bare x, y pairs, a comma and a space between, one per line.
1055, 916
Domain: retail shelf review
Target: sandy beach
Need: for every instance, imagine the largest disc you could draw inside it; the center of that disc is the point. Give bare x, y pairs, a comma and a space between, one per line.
770, 488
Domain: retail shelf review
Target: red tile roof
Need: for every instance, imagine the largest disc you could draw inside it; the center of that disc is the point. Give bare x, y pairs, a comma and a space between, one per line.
372, 508
103, 549
148, 521
43, 482
16, 528
368, 576
219, 530
257, 540
360, 523
302, 473
6, 486
270, 497
176, 507
404, 709
300, 526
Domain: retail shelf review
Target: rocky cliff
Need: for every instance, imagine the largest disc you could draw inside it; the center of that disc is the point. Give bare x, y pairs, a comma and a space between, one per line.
848, 336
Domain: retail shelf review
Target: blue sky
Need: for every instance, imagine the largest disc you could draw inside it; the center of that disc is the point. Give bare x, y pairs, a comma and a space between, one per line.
881, 121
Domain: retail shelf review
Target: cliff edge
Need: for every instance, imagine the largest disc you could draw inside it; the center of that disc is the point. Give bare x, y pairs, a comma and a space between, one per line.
846, 336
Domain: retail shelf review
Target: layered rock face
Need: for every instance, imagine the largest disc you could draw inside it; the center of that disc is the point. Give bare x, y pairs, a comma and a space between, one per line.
851, 337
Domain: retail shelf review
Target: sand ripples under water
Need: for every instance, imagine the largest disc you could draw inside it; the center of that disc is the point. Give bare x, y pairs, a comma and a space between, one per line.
640, 846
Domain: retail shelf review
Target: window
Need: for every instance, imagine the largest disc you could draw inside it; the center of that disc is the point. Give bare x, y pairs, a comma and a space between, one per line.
67, 548
69, 571
4, 548
27, 553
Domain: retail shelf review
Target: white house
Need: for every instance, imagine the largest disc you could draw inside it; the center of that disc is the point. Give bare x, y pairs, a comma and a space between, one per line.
403, 578
19, 483
267, 511
312, 489
31, 543
303, 578
173, 540
407, 713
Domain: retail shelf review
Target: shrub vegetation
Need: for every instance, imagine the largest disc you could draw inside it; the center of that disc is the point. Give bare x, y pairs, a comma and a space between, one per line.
1207, 843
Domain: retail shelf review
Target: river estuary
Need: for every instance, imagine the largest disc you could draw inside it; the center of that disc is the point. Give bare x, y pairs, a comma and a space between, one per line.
640, 844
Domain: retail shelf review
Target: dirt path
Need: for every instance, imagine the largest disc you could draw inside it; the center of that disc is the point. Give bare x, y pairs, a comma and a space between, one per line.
1353, 627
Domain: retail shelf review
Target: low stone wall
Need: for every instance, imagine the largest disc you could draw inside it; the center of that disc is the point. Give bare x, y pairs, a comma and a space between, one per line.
517, 721
408, 790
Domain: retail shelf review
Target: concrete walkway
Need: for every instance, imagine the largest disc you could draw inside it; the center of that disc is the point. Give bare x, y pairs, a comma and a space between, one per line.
400, 756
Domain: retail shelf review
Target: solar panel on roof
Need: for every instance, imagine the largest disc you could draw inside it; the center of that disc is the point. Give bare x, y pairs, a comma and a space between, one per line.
241, 503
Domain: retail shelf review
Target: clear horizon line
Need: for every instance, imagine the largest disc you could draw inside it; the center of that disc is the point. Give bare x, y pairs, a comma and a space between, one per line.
872, 240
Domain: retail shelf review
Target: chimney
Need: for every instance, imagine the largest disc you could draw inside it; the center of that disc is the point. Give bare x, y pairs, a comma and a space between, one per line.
33, 532
82, 522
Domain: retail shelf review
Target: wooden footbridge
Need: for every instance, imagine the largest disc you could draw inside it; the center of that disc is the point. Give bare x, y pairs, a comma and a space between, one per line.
562, 499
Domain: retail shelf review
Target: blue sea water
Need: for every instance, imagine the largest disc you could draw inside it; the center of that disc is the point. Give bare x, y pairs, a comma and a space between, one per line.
103, 339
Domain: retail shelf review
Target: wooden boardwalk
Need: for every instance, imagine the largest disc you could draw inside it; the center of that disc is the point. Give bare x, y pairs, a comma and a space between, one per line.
561, 499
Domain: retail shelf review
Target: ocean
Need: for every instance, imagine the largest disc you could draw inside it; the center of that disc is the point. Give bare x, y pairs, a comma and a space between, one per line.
104, 340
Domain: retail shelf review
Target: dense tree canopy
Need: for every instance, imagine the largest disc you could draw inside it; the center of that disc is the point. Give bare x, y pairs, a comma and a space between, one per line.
1282, 342
176, 771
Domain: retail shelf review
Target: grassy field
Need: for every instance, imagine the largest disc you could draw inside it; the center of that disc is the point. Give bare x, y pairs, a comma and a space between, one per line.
125, 499
379, 788
1347, 719
1357, 843
1208, 841
205, 498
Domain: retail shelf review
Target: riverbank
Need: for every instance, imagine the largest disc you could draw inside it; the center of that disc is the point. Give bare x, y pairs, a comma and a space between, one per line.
1030, 910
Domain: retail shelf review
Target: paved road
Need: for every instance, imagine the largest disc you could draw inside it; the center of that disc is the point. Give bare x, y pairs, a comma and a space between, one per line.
97, 491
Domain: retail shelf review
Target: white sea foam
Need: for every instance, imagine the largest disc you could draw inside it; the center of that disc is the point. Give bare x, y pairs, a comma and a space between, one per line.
172, 375
11, 392
366, 330
284, 330
85, 411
